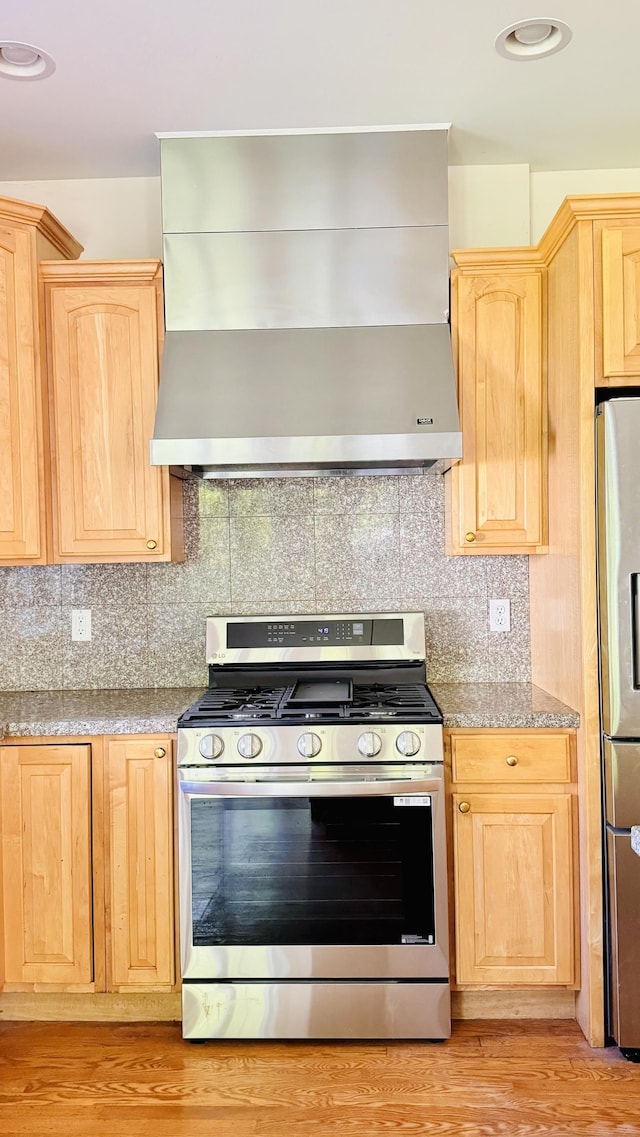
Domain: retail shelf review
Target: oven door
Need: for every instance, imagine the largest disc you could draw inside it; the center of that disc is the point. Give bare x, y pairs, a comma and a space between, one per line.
299, 874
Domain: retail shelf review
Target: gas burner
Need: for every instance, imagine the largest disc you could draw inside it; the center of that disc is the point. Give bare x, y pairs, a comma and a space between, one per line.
221, 704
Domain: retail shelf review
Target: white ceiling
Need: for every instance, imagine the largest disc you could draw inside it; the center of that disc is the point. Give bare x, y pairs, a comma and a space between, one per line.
128, 68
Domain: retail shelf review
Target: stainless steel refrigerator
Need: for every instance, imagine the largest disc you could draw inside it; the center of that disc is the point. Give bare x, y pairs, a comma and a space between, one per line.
618, 510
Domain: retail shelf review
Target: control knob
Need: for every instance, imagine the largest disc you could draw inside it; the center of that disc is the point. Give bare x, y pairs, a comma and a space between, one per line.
249, 745
369, 744
309, 745
211, 746
408, 743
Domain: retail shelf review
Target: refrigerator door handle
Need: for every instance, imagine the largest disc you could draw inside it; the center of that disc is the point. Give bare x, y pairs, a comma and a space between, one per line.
633, 833
635, 631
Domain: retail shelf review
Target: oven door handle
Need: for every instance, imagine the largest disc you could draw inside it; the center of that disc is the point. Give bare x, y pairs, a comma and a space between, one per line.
266, 788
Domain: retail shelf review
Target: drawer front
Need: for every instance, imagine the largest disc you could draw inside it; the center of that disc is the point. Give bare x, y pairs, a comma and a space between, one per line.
511, 758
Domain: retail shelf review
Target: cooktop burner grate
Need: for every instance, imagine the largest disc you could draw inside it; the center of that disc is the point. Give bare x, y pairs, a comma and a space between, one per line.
367, 703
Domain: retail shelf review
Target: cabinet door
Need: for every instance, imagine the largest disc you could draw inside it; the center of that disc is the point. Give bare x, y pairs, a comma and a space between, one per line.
497, 490
513, 881
620, 304
46, 864
110, 503
22, 536
140, 892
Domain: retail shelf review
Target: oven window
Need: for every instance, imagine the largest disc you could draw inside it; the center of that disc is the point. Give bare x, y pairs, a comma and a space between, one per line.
312, 871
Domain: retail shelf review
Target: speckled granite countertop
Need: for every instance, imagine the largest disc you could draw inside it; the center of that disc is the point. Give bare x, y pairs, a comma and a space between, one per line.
501, 704
156, 710
153, 710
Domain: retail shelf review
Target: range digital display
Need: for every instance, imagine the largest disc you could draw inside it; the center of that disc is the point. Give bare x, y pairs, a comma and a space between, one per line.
315, 633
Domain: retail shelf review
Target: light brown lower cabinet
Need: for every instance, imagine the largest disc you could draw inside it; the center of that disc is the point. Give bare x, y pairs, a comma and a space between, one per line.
46, 864
513, 858
140, 901
87, 856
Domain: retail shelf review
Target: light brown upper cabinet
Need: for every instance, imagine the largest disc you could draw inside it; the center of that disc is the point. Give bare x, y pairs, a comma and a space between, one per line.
617, 250
27, 232
496, 496
104, 332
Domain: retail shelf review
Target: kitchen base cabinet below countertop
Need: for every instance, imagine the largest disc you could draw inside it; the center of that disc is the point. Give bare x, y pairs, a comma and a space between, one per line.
513, 840
46, 865
87, 864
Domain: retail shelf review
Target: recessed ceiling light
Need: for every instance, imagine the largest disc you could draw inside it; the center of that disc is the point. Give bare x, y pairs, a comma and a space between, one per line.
24, 61
532, 39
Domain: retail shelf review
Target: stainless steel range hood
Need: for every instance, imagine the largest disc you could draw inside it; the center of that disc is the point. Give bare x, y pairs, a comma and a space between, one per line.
306, 293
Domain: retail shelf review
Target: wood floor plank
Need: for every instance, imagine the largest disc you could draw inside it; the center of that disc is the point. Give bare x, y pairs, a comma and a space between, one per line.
90, 1124
492, 1079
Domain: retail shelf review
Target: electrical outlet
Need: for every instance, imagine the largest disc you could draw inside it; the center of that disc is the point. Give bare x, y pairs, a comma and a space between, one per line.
499, 615
80, 623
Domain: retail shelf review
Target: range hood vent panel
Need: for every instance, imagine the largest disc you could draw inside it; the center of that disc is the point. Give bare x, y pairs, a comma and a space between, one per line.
324, 180
306, 287
306, 279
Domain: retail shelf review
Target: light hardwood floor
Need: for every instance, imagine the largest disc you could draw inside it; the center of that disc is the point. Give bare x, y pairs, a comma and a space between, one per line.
513, 1079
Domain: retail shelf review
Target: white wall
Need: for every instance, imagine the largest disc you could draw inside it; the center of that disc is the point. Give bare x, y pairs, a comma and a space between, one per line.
488, 205
114, 218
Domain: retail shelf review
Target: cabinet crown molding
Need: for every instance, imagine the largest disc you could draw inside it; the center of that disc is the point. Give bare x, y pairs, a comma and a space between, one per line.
100, 272
28, 215
498, 259
585, 207
575, 208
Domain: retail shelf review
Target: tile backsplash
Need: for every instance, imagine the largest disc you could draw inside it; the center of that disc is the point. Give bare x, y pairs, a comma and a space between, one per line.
290, 545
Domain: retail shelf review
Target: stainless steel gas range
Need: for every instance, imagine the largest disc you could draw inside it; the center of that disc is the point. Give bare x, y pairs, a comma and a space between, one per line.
312, 851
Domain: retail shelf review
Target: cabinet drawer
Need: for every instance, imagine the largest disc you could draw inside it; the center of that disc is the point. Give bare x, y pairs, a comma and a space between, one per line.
505, 757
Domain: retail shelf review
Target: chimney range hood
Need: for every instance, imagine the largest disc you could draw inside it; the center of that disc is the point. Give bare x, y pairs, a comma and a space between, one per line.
306, 297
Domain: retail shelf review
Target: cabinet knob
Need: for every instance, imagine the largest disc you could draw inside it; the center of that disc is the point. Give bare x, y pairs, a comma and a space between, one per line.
512, 760
464, 807
159, 752
152, 544
470, 537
